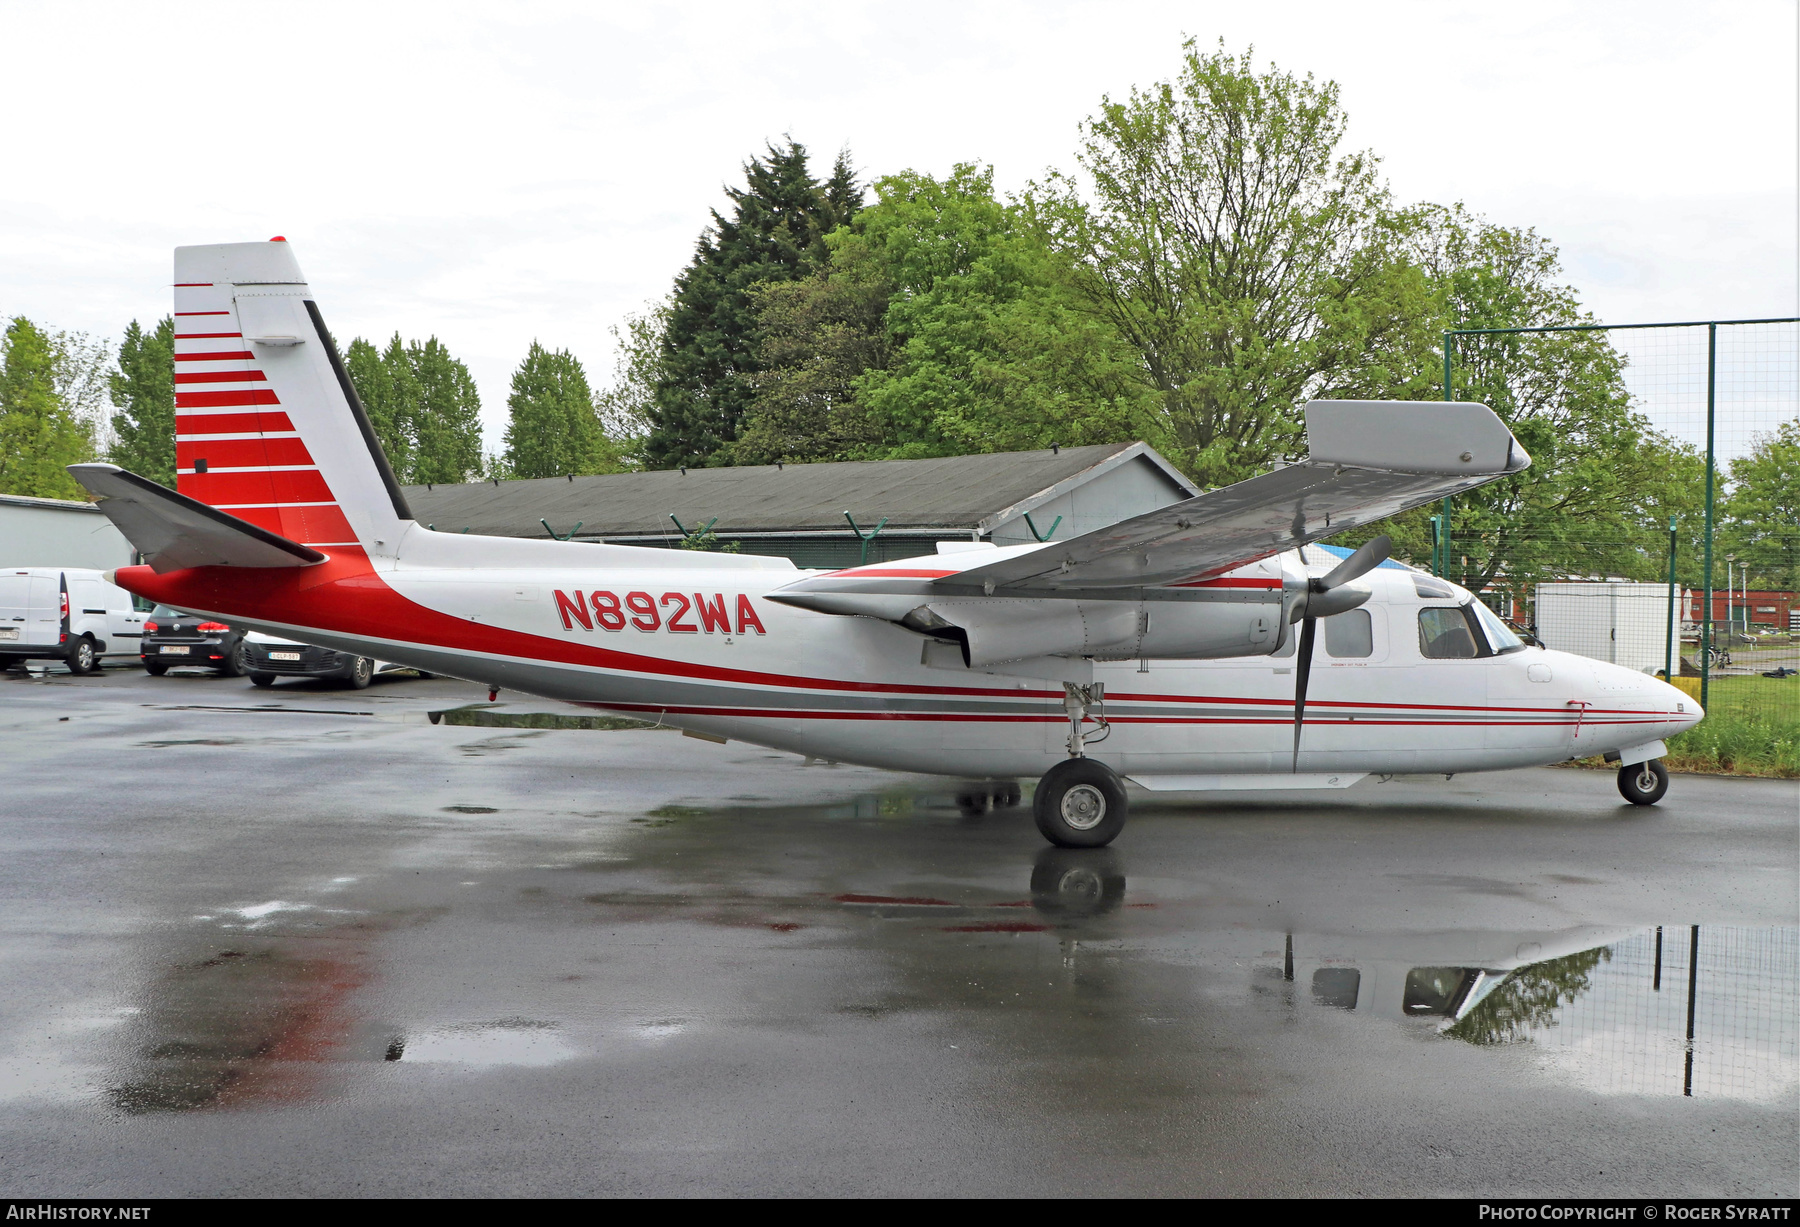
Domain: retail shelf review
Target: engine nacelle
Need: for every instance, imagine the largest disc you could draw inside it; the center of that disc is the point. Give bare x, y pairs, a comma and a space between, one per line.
999, 629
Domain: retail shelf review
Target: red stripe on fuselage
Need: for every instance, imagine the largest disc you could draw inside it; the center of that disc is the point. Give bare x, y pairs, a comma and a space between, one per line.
344, 595
225, 355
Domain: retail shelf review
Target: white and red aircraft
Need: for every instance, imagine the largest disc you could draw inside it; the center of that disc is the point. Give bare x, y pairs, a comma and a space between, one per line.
1163, 643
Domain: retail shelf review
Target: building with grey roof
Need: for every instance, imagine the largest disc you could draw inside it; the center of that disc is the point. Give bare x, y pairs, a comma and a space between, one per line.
798, 510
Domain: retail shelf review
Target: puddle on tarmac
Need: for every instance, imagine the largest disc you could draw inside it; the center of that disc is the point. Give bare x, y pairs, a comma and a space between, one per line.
483, 1045
265, 1013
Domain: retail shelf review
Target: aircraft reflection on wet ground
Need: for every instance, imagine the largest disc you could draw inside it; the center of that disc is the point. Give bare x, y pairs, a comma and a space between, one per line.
1668, 1010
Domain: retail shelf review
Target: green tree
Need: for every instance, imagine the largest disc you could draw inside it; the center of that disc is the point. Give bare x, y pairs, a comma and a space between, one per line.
775, 233
816, 338
627, 408
384, 383
1761, 515
38, 434
143, 391
993, 349
943, 325
1603, 482
424, 407
1529, 998
446, 422
1250, 266
554, 429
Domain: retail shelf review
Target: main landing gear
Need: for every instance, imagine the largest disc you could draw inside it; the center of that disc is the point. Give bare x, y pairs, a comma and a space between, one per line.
1081, 803
1644, 783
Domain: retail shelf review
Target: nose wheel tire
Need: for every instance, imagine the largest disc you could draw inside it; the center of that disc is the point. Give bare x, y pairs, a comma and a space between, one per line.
1644, 783
1080, 803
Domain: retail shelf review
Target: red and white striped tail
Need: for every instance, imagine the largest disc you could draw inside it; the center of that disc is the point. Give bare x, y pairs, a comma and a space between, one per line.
267, 425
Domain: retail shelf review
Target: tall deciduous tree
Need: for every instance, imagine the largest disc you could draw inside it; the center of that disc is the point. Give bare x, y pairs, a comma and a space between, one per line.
554, 430
424, 407
1762, 513
1250, 265
775, 233
1603, 481
447, 425
143, 392
943, 325
38, 434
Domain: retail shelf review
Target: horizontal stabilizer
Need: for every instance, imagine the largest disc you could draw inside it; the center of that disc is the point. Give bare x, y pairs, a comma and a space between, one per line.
173, 531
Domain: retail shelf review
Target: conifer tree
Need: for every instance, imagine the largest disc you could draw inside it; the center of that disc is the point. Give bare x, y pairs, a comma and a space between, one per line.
143, 390
38, 435
554, 430
775, 233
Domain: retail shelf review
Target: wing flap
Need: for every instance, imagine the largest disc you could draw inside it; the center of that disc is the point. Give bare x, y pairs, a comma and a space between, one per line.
1371, 460
174, 531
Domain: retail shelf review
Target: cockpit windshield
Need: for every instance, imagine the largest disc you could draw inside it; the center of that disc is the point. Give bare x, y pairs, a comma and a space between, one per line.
1500, 636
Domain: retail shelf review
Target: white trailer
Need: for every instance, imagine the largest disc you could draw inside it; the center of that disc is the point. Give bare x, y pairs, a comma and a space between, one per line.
1620, 622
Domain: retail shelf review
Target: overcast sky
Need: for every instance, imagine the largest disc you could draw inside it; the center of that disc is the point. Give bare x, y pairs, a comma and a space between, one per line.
498, 173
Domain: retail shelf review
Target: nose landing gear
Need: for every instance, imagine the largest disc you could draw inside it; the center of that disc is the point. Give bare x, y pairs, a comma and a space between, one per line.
1644, 783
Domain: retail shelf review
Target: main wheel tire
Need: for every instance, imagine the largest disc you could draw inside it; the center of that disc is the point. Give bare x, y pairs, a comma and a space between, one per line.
82, 657
1077, 882
1007, 794
1080, 803
973, 799
234, 664
264, 680
360, 673
1644, 783
155, 668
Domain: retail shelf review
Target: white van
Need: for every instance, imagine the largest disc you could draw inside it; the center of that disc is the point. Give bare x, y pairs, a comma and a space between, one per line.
68, 614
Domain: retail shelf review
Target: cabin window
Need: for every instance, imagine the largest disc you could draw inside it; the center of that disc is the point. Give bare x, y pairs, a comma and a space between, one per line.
1500, 638
1349, 636
1445, 634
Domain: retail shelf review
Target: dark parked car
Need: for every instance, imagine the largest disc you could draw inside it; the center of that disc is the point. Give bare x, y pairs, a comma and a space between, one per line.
174, 638
267, 658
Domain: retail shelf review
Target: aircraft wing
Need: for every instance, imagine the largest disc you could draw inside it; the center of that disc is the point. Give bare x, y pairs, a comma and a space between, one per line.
1368, 460
174, 531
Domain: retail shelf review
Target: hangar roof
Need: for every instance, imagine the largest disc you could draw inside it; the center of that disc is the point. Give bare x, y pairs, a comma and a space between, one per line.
959, 494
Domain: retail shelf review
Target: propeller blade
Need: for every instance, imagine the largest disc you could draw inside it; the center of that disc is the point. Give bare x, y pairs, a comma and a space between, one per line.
1370, 555
1302, 674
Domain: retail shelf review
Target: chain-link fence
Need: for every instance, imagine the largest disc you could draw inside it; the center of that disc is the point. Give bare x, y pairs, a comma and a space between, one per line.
1709, 1011
1659, 529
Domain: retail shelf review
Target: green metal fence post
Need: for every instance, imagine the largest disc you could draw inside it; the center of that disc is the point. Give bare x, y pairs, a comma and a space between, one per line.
1706, 613
1669, 652
865, 539
1444, 571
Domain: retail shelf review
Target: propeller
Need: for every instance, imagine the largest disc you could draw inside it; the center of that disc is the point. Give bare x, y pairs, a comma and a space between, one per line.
1317, 604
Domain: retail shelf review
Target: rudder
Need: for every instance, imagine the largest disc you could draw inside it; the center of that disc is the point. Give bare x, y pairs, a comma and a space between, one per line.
267, 424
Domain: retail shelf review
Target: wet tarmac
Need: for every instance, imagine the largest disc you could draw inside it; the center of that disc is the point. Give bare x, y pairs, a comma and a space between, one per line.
303, 941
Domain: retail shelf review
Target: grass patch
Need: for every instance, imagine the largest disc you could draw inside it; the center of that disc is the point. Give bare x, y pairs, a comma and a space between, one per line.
1752, 727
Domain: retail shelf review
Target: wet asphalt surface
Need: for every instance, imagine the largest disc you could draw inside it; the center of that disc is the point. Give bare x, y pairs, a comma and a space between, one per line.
334, 949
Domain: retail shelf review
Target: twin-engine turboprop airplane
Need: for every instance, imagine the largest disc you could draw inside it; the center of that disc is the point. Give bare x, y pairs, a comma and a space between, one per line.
1162, 649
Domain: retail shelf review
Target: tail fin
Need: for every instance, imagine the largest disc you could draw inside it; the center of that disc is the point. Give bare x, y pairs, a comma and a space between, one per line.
267, 424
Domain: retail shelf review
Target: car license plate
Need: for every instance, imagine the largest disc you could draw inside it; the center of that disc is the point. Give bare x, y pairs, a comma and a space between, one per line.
284, 656
9, 632
169, 650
